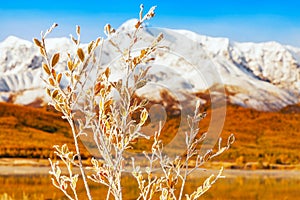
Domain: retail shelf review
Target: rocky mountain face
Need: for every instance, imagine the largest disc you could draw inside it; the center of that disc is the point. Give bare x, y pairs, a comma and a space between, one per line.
263, 76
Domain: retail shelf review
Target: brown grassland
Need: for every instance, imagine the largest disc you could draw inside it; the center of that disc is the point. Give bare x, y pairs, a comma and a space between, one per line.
263, 139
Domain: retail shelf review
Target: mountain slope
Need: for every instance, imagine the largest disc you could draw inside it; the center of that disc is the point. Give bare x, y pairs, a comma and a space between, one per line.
261, 136
263, 76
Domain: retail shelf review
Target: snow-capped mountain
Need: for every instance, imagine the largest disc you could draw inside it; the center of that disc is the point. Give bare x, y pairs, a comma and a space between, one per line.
263, 76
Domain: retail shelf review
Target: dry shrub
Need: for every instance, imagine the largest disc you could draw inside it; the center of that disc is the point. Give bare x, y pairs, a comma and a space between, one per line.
95, 113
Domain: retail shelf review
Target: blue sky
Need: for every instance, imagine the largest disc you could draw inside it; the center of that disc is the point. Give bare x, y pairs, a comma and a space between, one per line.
240, 20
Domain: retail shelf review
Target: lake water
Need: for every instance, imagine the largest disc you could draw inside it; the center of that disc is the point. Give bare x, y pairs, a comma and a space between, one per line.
238, 185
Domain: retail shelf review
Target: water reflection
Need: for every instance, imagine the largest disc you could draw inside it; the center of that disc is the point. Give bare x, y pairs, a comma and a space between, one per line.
237, 185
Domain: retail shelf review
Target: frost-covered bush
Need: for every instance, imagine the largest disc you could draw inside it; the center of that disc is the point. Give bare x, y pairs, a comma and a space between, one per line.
104, 113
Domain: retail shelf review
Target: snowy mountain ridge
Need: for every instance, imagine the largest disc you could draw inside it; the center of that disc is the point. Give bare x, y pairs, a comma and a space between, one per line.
263, 76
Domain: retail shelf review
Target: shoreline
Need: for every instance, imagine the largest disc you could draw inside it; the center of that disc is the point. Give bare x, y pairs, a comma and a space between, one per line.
228, 173
26, 166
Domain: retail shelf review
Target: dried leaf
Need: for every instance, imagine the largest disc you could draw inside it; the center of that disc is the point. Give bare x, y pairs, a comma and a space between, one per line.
76, 77
54, 59
48, 91
46, 68
150, 13
91, 46
37, 42
143, 116
68, 74
148, 60
107, 72
141, 84
69, 89
97, 88
57, 107
160, 37
53, 72
138, 24
42, 51
70, 65
143, 52
107, 28
58, 78
136, 61
78, 30
54, 93
108, 103
80, 54
114, 84
98, 41
51, 81
74, 40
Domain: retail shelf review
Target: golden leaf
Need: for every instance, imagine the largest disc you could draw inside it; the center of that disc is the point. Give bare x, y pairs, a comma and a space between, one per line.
54, 59
76, 77
46, 68
136, 61
97, 88
67, 74
107, 29
51, 82
74, 40
107, 104
138, 24
98, 41
37, 42
80, 54
48, 91
69, 89
149, 59
57, 107
54, 93
143, 53
53, 72
70, 65
143, 116
42, 51
107, 72
91, 46
58, 78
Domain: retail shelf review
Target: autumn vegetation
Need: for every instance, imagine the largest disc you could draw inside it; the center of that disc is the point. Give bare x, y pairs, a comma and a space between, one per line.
85, 108
265, 137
